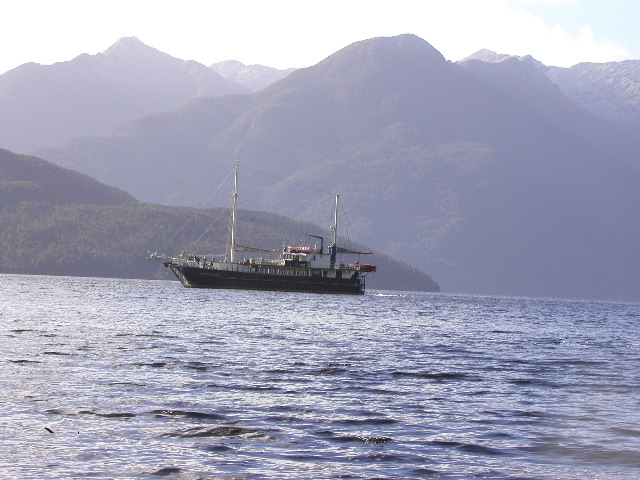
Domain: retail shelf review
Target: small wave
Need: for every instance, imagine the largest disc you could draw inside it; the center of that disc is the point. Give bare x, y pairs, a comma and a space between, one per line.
166, 472
151, 364
337, 437
197, 432
533, 382
329, 371
627, 432
366, 421
283, 419
287, 408
197, 366
376, 440
128, 384
378, 457
444, 443
117, 415
217, 448
424, 472
434, 376
281, 371
256, 388
54, 411
528, 414
589, 363
481, 449
468, 447
187, 414
589, 454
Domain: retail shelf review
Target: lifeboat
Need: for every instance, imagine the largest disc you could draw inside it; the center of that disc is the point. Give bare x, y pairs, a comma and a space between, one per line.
299, 250
366, 267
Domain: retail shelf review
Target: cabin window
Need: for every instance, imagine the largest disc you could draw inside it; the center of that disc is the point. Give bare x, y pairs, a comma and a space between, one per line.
338, 274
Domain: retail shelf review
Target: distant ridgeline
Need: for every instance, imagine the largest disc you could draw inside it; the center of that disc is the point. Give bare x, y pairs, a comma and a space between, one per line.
54, 221
495, 174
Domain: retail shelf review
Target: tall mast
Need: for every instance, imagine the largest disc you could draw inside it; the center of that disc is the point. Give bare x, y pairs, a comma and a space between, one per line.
234, 198
335, 222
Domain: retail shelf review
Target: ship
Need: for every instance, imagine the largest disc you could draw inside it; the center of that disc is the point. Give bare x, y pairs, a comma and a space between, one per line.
311, 269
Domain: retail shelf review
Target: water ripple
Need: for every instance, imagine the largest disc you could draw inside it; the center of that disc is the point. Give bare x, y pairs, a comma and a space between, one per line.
120, 379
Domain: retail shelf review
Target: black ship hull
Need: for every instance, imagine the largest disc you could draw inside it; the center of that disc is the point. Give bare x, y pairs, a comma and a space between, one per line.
196, 277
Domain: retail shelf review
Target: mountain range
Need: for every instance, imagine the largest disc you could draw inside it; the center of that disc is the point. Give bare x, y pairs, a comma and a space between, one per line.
252, 77
486, 173
93, 94
609, 90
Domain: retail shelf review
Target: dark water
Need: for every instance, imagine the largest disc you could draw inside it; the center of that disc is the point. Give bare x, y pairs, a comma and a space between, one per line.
140, 379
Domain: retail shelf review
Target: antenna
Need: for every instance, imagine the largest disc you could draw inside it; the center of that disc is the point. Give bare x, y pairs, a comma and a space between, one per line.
234, 197
335, 221
320, 238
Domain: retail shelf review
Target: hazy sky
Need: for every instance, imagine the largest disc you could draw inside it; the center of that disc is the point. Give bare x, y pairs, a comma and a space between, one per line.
300, 33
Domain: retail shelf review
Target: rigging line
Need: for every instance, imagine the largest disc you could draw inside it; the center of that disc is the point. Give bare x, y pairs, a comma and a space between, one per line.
288, 181
196, 212
210, 227
310, 188
344, 214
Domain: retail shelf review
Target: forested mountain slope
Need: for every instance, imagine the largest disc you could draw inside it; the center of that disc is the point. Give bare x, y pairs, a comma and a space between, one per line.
58, 222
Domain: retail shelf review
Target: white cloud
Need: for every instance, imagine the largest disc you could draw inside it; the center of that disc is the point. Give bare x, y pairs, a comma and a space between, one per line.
287, 33
546, 2
515, 31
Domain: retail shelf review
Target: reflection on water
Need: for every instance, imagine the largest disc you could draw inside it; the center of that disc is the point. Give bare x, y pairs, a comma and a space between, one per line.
140, 379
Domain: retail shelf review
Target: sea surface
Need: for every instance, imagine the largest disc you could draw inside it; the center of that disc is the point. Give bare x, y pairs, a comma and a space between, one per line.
133, 379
